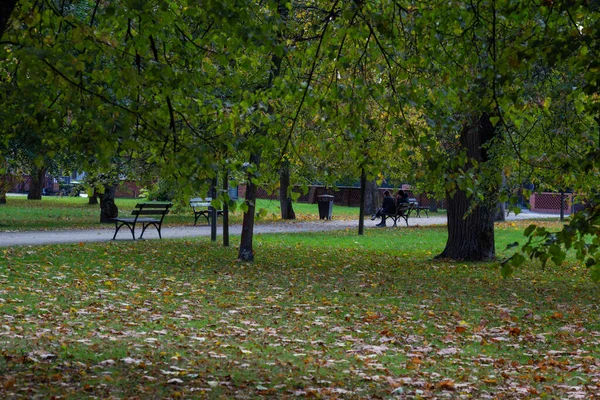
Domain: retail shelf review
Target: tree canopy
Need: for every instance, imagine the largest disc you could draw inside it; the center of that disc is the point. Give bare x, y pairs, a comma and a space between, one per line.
359, 86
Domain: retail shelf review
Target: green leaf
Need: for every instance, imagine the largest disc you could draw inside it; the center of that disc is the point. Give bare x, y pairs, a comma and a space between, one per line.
529, 230
506, 270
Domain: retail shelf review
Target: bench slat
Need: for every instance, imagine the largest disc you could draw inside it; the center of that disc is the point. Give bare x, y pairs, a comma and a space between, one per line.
149, 212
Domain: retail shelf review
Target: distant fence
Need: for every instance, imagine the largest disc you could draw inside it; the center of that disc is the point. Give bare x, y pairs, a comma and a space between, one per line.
342, 196
549, 202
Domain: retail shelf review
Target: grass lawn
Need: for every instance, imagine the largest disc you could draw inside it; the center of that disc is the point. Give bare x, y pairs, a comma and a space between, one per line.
329, 315
53, 212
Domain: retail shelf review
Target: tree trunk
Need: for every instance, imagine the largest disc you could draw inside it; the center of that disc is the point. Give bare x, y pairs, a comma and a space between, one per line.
246, 252
5, 185
36, 184
226, 210
471, 223
433, 205
108, 208
501, 206
93, 199
371, 197
285, 201
500, 212
363, 191
6, 9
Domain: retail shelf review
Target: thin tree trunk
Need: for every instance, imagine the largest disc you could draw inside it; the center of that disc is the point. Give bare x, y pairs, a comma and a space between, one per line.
108, 208
36, 184
501, 207
471, 224
363, 191
226, 209
2, 198
213, 210
246, 252
285, 201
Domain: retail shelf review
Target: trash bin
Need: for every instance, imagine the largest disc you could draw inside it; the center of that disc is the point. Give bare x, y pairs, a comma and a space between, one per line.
325, 202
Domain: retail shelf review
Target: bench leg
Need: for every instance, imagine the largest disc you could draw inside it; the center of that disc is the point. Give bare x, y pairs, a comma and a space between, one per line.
118, 227
144, 226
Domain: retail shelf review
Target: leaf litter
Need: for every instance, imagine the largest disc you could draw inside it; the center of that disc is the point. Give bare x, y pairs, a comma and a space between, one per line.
149, 320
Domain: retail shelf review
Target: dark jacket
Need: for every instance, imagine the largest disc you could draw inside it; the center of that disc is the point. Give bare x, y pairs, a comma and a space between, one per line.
402, 199
389, 205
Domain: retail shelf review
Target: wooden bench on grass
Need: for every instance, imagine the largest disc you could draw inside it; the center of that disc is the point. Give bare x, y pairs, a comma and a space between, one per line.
140, 212
418, 208
402, 211
202, 208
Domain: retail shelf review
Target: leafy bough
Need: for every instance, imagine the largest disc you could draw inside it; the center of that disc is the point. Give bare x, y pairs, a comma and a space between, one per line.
581, 234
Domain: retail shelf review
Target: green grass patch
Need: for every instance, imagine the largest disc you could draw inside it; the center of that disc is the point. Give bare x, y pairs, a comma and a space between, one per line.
54, 212
325, 315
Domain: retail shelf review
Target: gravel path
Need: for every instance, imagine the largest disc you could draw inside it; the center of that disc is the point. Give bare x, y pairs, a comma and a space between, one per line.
105, 234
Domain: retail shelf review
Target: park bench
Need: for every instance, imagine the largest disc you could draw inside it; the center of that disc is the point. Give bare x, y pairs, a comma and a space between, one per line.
418, 208
402, 211
202, 207
156, 210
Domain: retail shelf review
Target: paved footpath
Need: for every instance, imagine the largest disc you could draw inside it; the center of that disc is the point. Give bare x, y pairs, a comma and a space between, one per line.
106, 233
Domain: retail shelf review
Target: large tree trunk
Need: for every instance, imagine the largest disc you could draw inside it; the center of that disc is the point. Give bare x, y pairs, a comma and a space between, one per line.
5, 185
246, 252
108, 208
6, 9
93, 199
36, 184
285, 201
471, 223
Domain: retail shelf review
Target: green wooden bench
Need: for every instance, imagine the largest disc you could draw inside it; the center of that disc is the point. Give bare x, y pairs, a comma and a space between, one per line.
142, 210
202, 208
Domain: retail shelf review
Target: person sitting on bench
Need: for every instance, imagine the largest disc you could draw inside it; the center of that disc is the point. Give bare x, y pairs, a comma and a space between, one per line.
388, 206
401, 197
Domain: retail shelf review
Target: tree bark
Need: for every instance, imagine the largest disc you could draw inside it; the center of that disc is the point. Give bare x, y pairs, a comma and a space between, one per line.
363, 192
246, 252
433, 205
285, 201
108, 208
6, 9
226, 210
5, 185
501, 206
93, 199
500, 212
36, 184
371, 197
471, 223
